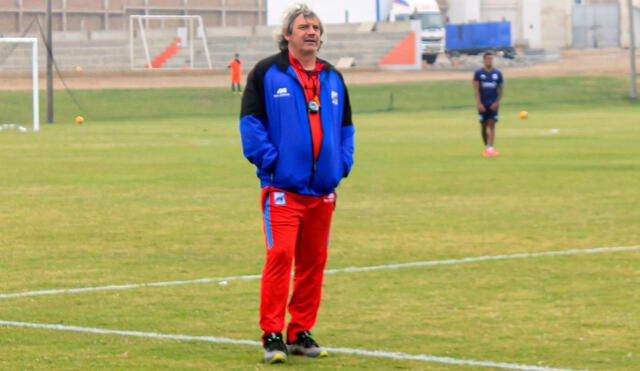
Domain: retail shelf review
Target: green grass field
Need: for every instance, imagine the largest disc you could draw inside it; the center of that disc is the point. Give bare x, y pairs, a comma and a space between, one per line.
153, 187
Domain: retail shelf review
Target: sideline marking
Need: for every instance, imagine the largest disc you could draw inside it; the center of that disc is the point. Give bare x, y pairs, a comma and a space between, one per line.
222, 340
328, 271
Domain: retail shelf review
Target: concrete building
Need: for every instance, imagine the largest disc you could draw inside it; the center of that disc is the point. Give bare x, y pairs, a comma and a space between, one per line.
106, 15
549, 24
553, 24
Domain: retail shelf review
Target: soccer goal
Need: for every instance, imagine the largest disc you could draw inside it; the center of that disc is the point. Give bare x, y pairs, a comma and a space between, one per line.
11, 47
168, 41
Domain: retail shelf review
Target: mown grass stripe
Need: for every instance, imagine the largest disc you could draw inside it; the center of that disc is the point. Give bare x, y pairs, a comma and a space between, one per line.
328, 271
223, 340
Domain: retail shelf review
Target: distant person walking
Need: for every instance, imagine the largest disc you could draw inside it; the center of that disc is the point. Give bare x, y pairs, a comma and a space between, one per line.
236, 74
296, 129
488, 86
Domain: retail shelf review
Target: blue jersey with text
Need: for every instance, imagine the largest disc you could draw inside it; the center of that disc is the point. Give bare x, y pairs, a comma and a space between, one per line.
489, 83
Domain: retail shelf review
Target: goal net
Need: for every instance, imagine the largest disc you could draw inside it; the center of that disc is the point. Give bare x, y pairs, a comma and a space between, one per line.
18, 55
168, 42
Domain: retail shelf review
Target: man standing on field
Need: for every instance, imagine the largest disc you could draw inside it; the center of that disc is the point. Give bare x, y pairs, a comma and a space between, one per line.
488, 86
296, 129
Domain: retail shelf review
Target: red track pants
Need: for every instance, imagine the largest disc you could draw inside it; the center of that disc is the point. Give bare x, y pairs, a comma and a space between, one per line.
296, 229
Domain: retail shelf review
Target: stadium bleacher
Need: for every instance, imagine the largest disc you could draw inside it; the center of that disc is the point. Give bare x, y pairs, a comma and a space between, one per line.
109, 50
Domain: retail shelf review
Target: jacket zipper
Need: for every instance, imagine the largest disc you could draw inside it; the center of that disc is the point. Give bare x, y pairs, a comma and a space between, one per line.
313, 160
313, 172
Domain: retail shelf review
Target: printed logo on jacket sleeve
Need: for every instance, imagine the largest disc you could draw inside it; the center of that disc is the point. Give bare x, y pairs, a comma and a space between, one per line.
334, 97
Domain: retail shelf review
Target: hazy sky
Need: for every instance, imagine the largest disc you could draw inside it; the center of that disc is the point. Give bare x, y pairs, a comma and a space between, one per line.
330, 11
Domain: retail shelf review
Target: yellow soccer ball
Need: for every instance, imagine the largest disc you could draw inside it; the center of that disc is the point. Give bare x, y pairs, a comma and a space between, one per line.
523, 115
79, 120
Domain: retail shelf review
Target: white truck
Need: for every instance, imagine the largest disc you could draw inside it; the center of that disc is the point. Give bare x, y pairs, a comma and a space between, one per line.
429, 15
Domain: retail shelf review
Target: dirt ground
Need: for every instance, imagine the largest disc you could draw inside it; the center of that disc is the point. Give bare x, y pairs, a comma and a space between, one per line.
609, 62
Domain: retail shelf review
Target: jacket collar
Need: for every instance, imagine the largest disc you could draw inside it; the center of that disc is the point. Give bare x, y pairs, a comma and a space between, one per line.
283, 62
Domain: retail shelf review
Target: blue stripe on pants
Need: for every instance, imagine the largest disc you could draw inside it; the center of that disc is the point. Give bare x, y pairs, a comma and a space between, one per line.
267, 222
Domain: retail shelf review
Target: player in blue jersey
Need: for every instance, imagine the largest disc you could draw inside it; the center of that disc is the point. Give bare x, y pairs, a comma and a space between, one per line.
488, 86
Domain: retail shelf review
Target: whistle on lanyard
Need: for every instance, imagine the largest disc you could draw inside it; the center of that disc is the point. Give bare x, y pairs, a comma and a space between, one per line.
314, 105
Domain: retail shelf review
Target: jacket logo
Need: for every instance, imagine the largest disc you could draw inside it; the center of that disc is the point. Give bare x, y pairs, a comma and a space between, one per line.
334, 97
282, 92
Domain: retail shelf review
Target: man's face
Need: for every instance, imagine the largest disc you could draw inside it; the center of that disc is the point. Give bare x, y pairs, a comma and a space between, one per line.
305, 36
488, 61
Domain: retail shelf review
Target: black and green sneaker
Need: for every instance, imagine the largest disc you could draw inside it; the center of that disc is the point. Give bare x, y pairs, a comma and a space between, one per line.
274, 349
304, 345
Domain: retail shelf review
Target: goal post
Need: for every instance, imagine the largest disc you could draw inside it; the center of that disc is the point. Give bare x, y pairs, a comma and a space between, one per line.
34, 74
192, 31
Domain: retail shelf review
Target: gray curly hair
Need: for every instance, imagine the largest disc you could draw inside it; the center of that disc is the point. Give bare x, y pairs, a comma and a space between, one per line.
290, 17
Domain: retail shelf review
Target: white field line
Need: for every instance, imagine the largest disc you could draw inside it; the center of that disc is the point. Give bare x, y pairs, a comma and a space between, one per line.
222, 340
328, 271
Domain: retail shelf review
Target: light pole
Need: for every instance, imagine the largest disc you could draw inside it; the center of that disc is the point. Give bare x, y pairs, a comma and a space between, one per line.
49, 43
633, 89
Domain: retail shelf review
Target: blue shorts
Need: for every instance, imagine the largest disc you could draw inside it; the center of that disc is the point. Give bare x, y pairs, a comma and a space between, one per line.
488, 115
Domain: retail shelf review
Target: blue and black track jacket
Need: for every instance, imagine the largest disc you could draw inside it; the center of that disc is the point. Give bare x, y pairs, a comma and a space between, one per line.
276, 136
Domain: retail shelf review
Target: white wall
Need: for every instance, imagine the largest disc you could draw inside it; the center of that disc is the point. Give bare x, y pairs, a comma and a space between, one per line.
557, 24
329, 11
625, 39
464, 11
531, 26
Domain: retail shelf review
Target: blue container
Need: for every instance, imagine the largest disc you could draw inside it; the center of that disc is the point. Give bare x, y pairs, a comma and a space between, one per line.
478, 36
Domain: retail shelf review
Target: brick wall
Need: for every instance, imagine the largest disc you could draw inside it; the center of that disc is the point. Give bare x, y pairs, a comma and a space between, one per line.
94, 15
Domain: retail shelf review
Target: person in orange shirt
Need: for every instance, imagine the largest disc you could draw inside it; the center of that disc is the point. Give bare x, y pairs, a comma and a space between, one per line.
236, 74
